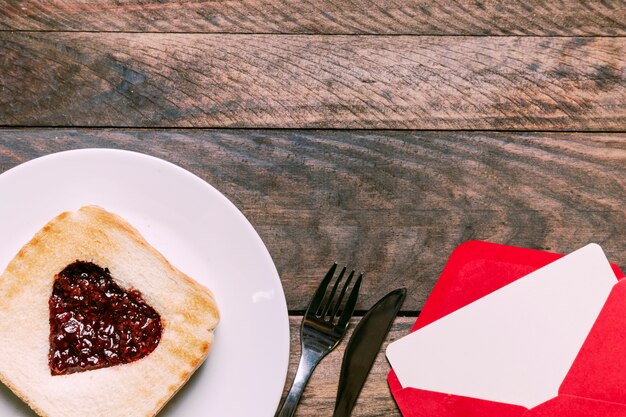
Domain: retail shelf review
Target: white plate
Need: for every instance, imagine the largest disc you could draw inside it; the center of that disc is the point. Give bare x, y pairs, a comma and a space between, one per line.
200, 232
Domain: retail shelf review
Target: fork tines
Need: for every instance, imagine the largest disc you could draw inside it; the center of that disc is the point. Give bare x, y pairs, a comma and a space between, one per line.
326, 306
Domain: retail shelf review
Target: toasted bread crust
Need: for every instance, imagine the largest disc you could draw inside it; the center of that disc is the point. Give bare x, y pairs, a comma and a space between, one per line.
188, 310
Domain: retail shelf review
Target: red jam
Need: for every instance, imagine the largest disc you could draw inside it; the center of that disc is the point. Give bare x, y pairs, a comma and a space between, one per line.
95, 324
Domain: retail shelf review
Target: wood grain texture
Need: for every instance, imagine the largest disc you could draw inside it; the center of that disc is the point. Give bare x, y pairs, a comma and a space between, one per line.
394, 204
284, 81
319, 396
425, 17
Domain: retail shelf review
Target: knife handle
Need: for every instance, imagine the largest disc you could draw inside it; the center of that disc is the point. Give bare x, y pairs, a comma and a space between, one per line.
305, 369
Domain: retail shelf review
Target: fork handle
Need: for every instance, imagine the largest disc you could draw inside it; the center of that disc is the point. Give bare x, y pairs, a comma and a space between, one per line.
305, 369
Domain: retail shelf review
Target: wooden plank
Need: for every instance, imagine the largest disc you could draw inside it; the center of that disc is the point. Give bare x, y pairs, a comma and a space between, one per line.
424, 17
87, 79
319, 396
394, 204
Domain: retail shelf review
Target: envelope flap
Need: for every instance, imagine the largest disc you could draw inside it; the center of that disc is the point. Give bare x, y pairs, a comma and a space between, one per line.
599, 371
475, 269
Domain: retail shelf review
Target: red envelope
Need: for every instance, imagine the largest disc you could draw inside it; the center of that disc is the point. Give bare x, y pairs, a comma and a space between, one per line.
595, 385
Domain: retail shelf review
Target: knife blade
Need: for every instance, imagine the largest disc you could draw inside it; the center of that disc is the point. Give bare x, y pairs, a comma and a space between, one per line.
362, 349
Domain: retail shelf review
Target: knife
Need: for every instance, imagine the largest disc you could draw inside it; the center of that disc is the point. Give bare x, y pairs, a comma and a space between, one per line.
363, 348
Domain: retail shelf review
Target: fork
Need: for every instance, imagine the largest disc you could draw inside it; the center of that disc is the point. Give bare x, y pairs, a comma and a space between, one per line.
323, 327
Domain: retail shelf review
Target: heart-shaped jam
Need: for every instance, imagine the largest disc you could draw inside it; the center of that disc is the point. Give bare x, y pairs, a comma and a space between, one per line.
95, 324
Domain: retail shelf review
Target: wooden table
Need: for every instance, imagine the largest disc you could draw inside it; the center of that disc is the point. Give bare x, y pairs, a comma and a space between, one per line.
381, 134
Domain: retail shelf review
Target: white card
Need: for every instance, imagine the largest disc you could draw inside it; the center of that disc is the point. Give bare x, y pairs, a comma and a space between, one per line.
516, 344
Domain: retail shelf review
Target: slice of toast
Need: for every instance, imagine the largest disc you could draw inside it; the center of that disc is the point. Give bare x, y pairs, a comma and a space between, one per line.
137, 389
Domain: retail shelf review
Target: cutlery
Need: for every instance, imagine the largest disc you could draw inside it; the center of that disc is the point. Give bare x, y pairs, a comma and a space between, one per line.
323, 326
363, 347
